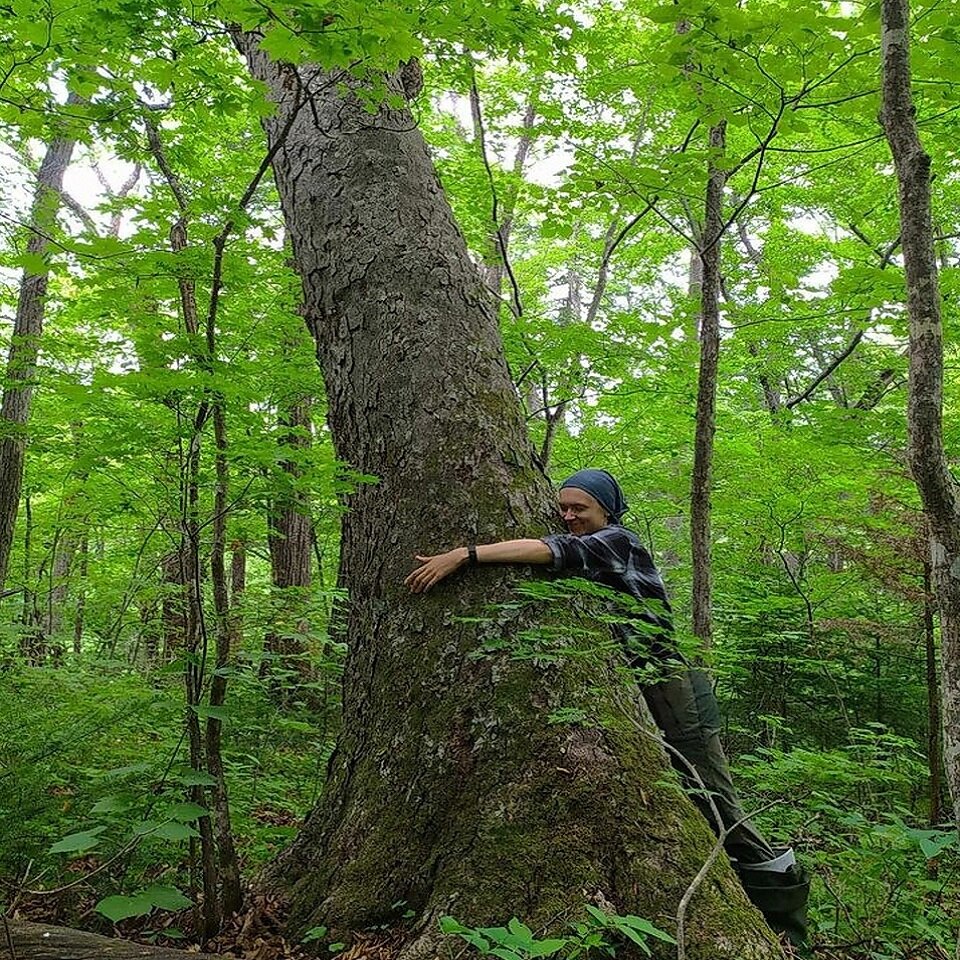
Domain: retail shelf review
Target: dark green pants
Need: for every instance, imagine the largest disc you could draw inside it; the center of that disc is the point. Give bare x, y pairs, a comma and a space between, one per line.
685, 709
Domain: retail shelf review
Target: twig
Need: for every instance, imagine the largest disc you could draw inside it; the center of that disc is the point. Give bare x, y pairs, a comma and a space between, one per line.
129, 845
9, 938
517, 306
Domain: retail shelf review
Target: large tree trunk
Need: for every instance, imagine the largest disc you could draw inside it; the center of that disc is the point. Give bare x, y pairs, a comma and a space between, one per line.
449, 789
928, 462
25, 343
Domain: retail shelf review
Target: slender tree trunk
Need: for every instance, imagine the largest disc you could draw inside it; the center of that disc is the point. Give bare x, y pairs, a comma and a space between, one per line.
238, 584
231, 896
493, 266
934, 751
25, 343
928, 462
449, 789
700, 493
290, 539
81, 593
31, 640
187, 560
64, 551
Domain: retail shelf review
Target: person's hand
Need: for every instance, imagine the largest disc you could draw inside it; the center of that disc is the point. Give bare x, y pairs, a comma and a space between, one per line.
435, 568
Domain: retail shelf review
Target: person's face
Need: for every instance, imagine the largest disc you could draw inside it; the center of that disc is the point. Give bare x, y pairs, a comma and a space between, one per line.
581, 512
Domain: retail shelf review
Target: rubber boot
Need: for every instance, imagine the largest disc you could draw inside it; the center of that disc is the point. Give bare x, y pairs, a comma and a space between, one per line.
781, 897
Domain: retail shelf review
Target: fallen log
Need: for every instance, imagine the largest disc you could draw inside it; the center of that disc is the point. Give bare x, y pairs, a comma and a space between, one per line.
20, 940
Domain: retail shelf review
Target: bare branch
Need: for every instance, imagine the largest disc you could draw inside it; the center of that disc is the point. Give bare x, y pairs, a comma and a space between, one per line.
857, 337
77, 209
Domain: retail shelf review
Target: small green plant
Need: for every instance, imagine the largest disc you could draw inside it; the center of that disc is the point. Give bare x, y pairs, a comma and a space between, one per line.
600, 931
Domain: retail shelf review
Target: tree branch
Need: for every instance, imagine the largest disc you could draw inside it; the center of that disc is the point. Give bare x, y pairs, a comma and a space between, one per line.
857, 337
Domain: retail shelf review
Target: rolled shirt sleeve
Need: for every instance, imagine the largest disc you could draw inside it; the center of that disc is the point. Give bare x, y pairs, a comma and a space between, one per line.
606, 551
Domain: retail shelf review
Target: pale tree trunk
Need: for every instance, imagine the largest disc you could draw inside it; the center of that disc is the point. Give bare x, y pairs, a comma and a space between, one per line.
25, 343
449, 790
928, 462
65, 546
700, 491
934, 748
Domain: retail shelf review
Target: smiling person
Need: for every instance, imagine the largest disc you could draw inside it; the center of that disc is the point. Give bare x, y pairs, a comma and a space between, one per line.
598, 548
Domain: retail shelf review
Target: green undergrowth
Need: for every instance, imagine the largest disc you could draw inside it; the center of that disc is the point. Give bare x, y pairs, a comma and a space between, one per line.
598, 934
884, 880
94, 774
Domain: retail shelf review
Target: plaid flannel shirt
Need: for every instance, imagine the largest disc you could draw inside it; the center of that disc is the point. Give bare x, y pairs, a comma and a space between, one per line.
615, 557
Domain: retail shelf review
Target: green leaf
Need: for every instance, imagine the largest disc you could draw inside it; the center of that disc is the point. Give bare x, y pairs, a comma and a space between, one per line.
185, 812
33, 263
77, 842
281, 44
314, 933
933, 846
117, 908
175, 831
112, 805
194, 778
544, 948
117, 772
203, 712
35, 31
669, 13
167, 898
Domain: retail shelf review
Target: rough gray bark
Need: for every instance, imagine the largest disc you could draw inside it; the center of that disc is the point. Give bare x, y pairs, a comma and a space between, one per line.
700, 506
927, 457
41, 941
449, 790
25, 344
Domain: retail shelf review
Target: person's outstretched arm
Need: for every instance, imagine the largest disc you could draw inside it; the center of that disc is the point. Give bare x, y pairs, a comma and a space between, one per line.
435, 568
